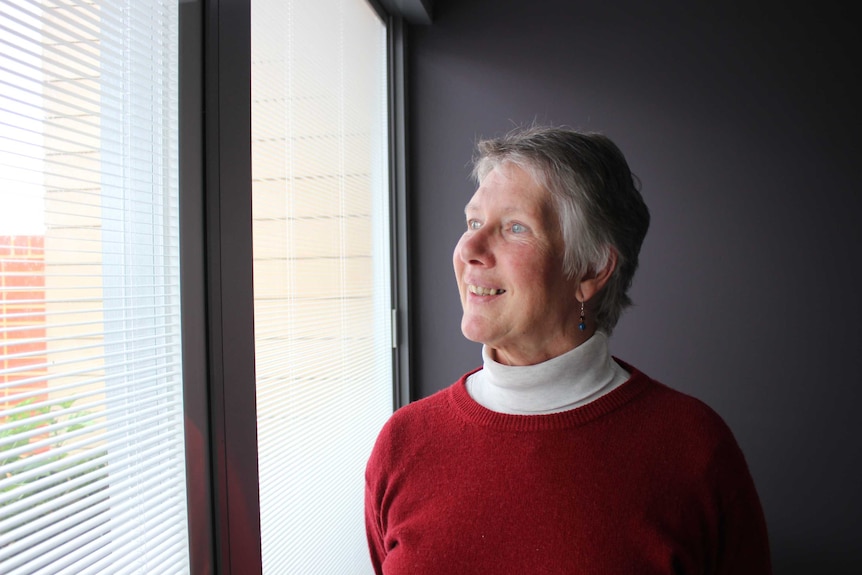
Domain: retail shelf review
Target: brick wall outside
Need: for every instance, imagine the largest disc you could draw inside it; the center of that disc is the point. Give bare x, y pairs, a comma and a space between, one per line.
23, 350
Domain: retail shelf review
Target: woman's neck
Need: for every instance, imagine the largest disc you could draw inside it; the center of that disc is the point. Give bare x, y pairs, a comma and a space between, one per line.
564, 382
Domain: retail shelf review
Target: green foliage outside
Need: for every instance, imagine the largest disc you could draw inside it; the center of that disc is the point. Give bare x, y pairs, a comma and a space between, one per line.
19, 436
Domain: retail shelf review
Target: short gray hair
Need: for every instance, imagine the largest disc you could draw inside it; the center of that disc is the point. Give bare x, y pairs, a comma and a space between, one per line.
597, 198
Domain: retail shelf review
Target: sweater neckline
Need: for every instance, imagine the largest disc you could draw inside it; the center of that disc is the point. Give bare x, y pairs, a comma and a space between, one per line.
473, 412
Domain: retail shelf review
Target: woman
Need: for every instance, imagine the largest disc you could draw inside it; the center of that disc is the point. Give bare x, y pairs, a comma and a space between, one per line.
554, 457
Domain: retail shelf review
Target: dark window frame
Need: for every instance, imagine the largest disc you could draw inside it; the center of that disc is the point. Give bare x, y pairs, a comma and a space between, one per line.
216, 256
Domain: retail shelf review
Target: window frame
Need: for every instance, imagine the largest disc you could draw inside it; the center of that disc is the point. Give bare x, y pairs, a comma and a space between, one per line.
216, 273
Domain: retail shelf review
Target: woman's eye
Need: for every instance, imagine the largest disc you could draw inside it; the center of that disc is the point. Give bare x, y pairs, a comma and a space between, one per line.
518, 228
474, 224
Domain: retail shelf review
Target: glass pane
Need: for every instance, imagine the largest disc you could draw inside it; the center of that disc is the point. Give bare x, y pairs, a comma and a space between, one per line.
92, 472
321, 275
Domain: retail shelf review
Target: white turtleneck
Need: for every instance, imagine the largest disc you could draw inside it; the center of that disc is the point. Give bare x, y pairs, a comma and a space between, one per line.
565, 382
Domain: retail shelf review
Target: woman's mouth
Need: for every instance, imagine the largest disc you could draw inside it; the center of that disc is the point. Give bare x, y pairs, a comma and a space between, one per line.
484, 291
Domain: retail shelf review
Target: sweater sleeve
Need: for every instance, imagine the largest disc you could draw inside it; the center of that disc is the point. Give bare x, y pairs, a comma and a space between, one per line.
744, 542
374, 489
373, 531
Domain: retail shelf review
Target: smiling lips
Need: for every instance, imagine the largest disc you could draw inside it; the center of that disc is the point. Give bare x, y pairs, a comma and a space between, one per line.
479, 290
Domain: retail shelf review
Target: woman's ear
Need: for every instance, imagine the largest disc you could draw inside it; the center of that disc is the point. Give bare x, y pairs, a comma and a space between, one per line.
594, 282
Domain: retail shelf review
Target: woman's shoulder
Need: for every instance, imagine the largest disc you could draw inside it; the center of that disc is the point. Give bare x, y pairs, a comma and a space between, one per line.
422, 416
414, 429
425, 410
676, 405
686, 422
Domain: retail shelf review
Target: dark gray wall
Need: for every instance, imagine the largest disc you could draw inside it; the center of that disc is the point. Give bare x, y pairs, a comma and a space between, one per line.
744, 128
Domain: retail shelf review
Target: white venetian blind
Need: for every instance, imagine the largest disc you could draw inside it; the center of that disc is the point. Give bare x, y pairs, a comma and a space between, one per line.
321, 275
92, 473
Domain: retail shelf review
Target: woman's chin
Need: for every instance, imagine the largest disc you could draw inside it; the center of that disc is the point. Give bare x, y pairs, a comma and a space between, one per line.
474, 330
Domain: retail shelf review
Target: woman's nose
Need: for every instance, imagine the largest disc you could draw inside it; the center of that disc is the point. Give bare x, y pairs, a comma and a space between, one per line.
474, 248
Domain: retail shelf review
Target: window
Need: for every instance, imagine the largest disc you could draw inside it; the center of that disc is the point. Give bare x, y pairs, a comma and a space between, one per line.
322, 275
92, 466
136, 435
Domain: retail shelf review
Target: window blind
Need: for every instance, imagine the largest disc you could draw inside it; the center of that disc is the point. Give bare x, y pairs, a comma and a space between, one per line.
323, 333
92, 473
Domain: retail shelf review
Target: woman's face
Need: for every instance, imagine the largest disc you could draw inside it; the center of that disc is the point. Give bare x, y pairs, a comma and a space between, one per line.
508, 265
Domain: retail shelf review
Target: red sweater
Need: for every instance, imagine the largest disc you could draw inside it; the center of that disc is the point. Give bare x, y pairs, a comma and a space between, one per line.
644, 480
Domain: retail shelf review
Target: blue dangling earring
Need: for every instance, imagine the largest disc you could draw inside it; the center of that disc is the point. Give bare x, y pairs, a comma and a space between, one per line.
583, 323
